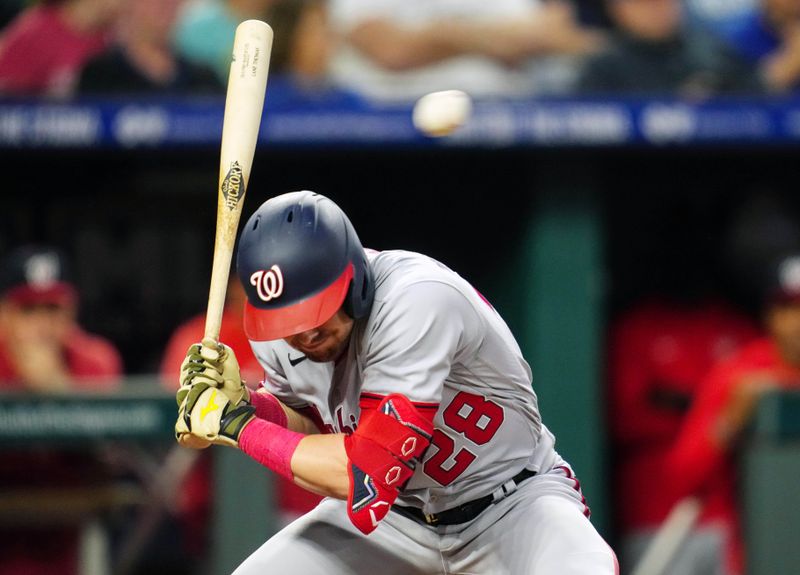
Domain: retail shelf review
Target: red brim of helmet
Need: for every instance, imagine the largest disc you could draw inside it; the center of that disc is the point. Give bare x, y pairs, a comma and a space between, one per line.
312, 312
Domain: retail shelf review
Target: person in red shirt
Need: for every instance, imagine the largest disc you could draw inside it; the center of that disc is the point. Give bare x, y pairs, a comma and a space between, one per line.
43, 350
43, 50
660, 351
702, 461
195, 495
42, 347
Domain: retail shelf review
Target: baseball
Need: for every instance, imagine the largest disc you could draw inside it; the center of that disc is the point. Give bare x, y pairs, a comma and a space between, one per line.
440, 113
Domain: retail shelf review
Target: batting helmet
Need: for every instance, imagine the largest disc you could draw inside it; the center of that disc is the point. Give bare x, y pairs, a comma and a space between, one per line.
300, 260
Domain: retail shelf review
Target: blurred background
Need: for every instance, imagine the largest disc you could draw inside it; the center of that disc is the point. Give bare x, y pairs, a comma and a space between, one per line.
624, 193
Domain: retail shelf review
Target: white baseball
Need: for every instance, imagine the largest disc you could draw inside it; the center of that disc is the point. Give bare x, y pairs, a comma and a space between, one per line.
440, 113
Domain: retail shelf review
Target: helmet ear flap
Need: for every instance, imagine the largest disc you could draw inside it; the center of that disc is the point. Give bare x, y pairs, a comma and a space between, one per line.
358, 300
359, 297
347, 306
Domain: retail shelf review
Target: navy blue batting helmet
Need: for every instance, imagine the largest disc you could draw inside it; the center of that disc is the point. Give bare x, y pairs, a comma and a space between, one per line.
300, 260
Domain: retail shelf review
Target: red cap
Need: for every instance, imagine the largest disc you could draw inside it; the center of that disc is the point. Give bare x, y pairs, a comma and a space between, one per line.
60, 293
276, 323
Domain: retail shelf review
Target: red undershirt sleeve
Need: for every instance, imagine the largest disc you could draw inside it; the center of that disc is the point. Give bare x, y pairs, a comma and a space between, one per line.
697, 454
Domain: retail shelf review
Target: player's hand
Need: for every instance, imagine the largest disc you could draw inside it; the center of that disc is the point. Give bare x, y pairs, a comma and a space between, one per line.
214, 364
207, 416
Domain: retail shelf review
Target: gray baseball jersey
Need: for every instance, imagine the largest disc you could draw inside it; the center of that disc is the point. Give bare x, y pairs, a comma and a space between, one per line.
433, 338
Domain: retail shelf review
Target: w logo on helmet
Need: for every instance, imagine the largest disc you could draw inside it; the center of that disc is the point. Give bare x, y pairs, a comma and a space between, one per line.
268, 283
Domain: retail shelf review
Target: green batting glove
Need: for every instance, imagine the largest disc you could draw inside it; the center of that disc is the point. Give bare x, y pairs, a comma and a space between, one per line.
213, 364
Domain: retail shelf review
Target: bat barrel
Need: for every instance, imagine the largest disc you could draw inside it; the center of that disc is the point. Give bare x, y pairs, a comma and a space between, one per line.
244, 102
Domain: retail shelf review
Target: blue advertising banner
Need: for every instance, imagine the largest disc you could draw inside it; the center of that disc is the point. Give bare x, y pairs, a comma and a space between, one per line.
132, 123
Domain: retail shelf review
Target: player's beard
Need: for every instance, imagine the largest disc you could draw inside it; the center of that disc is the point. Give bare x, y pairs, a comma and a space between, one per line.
327, 353
327, 342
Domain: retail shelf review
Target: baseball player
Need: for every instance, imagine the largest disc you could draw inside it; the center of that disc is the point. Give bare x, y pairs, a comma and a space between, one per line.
393, 388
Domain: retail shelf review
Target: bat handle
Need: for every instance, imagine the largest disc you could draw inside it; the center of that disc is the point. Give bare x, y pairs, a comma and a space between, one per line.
670, 536
220, 271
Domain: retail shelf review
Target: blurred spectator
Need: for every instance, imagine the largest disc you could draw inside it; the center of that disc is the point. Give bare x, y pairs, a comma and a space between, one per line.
660, 351
43, 350
205, 29
142, 59
43, 50
702, 461
401, 49
301, 52
42, 347
654, 52
770, 39
195, 498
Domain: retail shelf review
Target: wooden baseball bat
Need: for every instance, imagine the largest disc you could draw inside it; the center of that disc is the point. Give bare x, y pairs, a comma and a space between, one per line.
247, 84
669, 537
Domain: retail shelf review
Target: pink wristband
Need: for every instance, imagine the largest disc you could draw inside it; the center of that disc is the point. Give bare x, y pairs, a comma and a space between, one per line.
268, 408
272, 446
